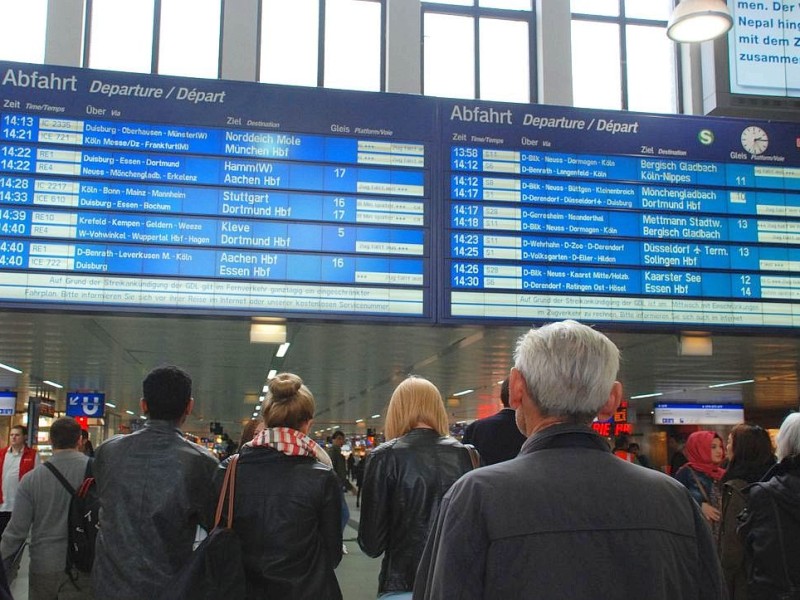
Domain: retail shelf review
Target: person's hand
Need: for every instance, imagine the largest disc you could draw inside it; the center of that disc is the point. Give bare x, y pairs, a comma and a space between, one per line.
354, 491
709, 512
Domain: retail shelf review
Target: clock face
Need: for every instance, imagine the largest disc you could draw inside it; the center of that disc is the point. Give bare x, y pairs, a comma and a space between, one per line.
754, 140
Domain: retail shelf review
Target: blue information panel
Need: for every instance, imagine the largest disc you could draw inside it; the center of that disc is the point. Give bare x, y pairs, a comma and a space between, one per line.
156, 193
86, 404
622, 217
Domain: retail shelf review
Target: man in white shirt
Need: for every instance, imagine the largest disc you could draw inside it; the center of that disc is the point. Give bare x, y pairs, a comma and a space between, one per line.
16, 459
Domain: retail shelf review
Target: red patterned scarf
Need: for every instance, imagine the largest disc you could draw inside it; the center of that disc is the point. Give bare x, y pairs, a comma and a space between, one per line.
291, 442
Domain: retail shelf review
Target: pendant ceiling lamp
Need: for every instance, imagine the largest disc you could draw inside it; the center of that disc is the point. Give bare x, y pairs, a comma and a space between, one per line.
699, 21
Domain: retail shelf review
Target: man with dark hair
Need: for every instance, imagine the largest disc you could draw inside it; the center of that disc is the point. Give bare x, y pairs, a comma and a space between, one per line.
496, 438
16, 460
156, 489
42, 507
340, 468
86, 444
553, 522
676, 442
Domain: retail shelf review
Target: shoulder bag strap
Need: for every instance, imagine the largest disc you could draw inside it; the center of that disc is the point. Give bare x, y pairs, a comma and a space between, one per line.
227, 484
232, 489
789, 583
474, 456
61, 478
700, 485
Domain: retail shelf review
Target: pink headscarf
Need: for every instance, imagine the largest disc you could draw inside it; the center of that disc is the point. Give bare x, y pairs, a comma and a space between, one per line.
698, 451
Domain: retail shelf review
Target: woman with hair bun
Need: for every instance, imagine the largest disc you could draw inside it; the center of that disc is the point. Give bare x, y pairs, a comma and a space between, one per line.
404, 481
287, 505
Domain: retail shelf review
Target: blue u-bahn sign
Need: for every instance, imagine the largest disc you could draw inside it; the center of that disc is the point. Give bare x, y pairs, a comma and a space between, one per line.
80, 404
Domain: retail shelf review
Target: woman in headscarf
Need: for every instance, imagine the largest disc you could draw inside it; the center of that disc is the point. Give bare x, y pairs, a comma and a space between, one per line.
702, 474
750, 455
287, 506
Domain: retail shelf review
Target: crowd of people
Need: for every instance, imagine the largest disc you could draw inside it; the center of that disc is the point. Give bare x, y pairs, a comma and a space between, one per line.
546, 511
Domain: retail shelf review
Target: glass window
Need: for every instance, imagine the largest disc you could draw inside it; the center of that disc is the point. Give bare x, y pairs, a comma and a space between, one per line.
188, 40
596, 75
491, 61
651, 89
658, 10
449, 55
289, 42
509, 4
637, 70
121, 35
451, 2
608, 8
24, 29
505, 49
353, 44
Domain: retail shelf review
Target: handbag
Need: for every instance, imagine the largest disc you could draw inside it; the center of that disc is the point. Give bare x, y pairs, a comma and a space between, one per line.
214, 570
474, 455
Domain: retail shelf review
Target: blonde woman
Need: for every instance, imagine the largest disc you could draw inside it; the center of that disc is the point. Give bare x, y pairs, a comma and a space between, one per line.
288, 504
404, 481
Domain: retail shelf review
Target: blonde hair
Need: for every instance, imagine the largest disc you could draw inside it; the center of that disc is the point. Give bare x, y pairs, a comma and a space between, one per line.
415, 400
289, 402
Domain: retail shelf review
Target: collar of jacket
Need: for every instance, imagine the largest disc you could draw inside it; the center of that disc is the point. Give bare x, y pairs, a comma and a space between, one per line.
564, 435
165, 426
422, 431
787, 465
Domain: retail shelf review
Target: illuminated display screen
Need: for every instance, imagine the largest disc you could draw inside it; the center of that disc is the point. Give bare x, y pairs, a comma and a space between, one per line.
764, 54
8, 403
141, 191
149, 193
564, 213
697, 414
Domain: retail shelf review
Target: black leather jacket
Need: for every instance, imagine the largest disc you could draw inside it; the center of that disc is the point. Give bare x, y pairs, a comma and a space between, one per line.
404, 481
771, 538
155, 488
287, 511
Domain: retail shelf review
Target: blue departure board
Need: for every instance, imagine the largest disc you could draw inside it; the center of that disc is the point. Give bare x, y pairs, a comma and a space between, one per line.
159, 193
620, 217
149, 193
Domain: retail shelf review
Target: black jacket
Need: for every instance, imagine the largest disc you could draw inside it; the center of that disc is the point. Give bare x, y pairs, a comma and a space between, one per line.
568, 519
497, 438
404, 481
760, 531
287, 512
155, 489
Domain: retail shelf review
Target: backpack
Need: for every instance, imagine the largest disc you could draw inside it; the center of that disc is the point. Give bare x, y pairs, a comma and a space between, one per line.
82, 521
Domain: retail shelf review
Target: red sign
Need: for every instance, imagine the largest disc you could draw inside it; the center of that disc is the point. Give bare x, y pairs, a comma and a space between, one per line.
604, 428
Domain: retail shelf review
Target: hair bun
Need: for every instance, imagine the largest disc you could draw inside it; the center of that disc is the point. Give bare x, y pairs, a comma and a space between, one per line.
284, 385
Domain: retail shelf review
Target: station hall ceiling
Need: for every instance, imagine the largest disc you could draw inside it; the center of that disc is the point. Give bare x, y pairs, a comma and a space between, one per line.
352, 368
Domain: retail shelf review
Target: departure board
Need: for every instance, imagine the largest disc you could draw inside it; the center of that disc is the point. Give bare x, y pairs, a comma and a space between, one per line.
148, 192
620, 217
145, 193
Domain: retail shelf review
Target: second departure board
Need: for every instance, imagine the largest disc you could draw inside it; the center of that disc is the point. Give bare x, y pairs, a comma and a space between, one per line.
150, 192
599, 216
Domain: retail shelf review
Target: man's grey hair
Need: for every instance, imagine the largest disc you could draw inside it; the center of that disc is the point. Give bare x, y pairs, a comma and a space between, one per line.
569, 369
789, 437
